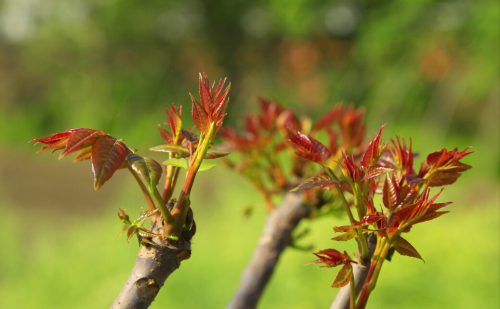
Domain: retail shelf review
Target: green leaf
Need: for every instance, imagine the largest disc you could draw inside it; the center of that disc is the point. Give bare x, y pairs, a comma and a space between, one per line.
343, 277
346, 236
84, 154
205, 166
108, 154
177, 162
172, 148
148, 169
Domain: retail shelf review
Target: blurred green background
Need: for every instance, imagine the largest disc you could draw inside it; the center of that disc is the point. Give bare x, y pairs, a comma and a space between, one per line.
429, 69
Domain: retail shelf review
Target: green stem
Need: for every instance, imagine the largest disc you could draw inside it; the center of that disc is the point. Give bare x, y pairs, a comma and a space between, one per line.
361, 238
353, 292
167, 216
342, 197
143, 188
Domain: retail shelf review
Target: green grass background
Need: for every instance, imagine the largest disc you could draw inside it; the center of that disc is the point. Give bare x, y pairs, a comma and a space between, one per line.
59, 248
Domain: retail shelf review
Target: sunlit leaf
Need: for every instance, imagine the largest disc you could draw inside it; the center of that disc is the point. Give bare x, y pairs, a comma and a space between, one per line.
108, 154
346, 236
85, 154
343, 277
206, 166
172, 149
182, 163
148, 169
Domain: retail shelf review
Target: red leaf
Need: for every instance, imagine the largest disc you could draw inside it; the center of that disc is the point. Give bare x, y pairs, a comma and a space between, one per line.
374, 171
403, 247
200, 116
431, 216
315, 157
56, 145
320, 148
108, 154
167, 137
78, 140
439, 179
329, 117
205, 96
372, 152
389, 193
320, 180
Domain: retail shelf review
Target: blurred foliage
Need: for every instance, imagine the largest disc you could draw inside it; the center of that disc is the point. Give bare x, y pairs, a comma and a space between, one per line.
113, 64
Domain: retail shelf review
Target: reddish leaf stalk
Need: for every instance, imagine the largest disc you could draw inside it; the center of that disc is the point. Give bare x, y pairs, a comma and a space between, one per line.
179, 213
171, 174
376, 265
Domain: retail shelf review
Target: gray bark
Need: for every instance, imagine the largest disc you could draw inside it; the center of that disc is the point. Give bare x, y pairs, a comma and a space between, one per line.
152, 267
276, 236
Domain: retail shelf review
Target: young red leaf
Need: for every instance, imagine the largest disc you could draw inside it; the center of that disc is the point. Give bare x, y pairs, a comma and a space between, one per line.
54, 138
374, 171
443, 167
167, 137
373, 152
343, 277
80, 139
205, 95
331, 258
315, 157
320, 148
56, 145
148, 169
108, 154
403, 247
439, 179
389, 193
320, 180
328, 118
352, 127
200, 116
